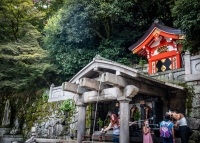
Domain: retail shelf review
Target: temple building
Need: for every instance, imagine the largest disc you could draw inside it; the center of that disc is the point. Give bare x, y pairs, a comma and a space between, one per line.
160, 45
127, 92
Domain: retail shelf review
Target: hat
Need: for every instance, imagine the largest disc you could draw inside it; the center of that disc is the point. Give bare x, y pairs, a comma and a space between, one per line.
167, 116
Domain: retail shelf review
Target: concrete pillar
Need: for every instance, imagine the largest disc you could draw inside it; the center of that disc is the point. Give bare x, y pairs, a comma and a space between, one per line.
124, 121
81, 122
187, 63
50, 91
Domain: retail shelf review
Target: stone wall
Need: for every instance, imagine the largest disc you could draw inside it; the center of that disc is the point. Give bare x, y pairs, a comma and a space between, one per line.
28, 111
175, 76
190, 75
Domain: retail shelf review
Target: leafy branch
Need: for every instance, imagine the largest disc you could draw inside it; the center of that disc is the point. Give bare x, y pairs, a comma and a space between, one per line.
67, 105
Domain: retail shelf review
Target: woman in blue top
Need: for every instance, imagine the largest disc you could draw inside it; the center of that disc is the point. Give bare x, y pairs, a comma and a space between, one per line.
114, 123
167, 123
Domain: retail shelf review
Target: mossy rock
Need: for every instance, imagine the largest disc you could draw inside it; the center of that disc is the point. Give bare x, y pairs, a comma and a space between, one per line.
28, 117
45, 107
29, 111
34, 117
39, 121
29, 125
39, 108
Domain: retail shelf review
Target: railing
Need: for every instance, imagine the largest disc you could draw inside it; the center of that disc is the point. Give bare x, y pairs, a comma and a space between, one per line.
57, 94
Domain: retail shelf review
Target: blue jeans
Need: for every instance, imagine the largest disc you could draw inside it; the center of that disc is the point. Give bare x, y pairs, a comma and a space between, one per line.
115, 138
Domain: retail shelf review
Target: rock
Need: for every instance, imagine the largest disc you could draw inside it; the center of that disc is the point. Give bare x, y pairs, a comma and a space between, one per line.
193, 123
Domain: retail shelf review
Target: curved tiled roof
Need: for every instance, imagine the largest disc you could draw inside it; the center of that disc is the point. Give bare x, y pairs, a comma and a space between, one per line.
163, 28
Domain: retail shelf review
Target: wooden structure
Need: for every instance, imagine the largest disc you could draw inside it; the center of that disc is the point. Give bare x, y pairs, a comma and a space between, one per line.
159, 45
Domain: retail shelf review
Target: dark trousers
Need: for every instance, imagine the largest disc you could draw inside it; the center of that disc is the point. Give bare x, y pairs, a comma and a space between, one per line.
115, 138
183, 131
168, 140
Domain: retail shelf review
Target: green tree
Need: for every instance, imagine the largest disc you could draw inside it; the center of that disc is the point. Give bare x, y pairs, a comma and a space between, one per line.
24, 65
187, 17
49, 8
83, 28
14, 14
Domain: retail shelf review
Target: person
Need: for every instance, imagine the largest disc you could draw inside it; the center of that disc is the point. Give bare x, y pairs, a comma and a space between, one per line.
147, 138
181, 122
114, 123
167, 130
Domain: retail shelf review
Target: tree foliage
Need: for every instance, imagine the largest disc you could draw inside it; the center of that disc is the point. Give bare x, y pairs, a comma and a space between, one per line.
14, 14
77, 30
82, 29
187, 17
24, 65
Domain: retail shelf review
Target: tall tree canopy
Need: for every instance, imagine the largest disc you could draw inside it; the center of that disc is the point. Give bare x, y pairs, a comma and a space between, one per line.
24, 65
13, 17
77, 30
187, 17
83, 28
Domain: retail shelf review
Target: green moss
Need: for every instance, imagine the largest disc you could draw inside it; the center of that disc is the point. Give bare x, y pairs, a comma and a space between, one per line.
88, 116
39, 121
28, 117
45, 107
39, 108
29, 124
189, 97
34, 117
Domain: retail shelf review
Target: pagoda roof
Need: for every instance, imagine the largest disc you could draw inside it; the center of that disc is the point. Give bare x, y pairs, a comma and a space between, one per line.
156, 28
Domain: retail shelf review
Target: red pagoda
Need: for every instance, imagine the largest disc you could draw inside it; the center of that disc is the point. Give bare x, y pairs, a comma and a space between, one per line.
159, 45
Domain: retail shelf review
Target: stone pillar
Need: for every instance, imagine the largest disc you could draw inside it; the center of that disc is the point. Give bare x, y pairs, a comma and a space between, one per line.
129, 92
81, 122
50, 91
124, 120
187, 63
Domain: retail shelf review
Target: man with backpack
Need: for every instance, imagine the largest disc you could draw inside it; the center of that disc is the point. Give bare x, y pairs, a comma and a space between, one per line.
167, 130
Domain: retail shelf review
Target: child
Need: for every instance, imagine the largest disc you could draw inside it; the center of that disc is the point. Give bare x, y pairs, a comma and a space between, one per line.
146, 132
167, 130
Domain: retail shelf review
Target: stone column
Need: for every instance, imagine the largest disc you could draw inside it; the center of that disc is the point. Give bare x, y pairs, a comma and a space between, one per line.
129, 92
81, 122
50, 91
124, 120
187, 63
